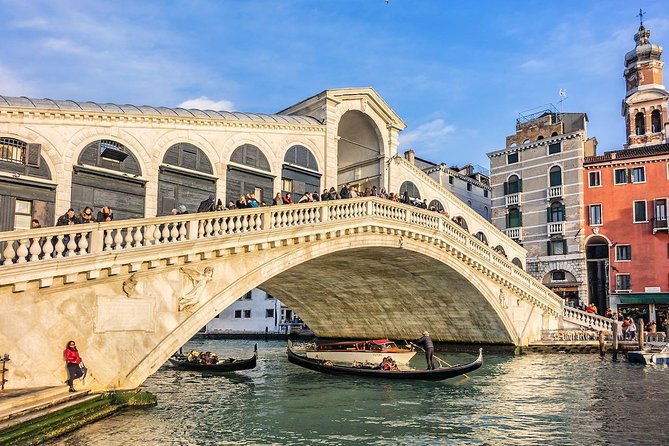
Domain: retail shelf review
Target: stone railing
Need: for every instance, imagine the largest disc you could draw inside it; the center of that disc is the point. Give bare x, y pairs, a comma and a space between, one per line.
514, 233
512, 200
590, 320
555, 192
555, 228
59, 244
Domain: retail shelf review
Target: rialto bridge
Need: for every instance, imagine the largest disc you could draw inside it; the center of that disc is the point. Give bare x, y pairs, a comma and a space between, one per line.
132, 290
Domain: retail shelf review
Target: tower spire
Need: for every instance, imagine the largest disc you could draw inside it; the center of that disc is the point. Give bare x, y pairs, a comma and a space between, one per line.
640, 15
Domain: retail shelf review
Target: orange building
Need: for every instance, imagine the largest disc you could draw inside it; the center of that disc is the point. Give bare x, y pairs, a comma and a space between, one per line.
625, 198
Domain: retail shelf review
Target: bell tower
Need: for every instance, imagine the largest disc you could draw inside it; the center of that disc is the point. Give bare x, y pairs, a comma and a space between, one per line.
645, 105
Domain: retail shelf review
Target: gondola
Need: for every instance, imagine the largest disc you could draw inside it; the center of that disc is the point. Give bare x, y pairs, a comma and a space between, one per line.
428, 375
226, 365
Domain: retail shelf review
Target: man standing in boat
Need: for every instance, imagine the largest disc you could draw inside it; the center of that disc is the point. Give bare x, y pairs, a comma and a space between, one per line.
428, 347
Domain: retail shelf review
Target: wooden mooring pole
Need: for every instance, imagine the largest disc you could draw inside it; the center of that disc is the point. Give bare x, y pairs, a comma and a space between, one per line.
642, 334
615, 340
602, 350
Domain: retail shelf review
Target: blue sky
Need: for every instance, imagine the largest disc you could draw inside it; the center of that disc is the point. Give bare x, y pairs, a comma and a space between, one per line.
457, 73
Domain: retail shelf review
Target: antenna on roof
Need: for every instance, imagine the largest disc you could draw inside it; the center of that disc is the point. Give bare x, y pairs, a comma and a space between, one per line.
563, 97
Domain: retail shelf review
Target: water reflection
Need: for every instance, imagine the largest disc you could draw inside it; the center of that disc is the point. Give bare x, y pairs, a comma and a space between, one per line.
533, 399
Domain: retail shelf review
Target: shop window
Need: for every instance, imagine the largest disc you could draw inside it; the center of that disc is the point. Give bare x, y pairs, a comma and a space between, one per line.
623, 282
640, 212
469, 186
554, 148
623, 252
247, 314
594, 179
269, 312
512, 158
595, 213
639, 175
238, 314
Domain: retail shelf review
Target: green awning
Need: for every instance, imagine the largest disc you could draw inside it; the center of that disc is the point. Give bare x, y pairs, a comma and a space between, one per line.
645, 298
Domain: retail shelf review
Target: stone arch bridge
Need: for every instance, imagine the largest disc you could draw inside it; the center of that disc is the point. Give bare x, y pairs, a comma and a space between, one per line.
131, 292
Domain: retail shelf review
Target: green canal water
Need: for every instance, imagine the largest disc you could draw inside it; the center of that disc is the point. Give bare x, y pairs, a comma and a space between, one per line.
512, 400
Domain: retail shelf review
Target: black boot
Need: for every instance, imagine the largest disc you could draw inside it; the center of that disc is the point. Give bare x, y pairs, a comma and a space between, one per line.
72, 389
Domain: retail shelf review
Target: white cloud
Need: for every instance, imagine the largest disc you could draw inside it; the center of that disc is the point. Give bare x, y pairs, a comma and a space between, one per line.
35, 23
11, 85
534, 64
63, 46
204, 103
430, 135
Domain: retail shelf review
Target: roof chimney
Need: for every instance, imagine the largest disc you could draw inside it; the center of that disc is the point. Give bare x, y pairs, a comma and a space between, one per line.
410, 156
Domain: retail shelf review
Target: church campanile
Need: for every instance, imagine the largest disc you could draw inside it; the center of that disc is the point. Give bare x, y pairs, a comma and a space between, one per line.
645, 103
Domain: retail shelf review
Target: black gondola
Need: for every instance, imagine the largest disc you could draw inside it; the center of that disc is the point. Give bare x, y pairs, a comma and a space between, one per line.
428, 375
226, 365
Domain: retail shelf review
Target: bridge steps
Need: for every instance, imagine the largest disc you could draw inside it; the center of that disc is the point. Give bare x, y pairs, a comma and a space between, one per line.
27, 404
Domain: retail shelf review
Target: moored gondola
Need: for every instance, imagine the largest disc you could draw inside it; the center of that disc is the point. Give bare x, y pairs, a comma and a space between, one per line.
427, 375
227, 365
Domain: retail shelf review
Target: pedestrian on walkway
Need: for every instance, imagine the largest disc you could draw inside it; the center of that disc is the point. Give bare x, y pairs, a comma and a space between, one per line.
428, 347
73, 361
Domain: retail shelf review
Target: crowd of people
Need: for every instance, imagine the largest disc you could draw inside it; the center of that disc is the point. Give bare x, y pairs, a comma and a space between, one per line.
207, 358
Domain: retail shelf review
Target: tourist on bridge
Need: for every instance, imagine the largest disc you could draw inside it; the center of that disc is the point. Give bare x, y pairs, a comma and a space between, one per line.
278, 199
241, 203
86, 216
73, 360
208, 205
68, 218
287, 199
428, 347
251, 201
105, 214
345, 192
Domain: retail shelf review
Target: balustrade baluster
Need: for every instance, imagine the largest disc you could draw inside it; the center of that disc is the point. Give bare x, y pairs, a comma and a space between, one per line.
47, 248
118, 239
238, 224
35, 249
60, 247
200, 228
138, 236
209, 229
83, 243
183, 231
217, 227
71, 245
22, 251
127, 240
231, 225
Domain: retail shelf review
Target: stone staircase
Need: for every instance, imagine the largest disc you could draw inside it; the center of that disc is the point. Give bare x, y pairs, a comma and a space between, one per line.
20, 406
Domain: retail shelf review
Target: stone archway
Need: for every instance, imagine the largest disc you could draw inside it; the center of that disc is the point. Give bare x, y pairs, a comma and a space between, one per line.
359, 151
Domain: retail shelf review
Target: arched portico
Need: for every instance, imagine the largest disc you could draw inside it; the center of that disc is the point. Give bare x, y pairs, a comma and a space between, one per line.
359, 151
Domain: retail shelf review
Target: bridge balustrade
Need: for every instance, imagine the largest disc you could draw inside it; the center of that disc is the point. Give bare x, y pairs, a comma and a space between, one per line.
59, 243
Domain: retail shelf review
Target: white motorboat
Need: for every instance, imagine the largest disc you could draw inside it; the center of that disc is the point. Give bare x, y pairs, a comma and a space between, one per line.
654, 354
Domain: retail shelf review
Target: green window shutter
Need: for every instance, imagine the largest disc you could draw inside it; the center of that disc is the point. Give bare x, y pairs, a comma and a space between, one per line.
549, 215
564, 246
506, 188
548, 248
564, 212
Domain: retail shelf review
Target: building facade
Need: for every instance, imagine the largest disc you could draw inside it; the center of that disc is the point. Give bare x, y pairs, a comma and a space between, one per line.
537, 196
256, 312
626, 193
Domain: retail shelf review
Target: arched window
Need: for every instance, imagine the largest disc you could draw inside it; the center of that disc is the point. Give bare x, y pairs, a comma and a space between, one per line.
516, 261
556, 212
554, 134
500, 250
656, 121
513, 186
485, 212
411, 189
461, 222
481, 236
640, 123
555, 176
110, 155
250, 155
189, 157
301, 156
435, 205
540, 137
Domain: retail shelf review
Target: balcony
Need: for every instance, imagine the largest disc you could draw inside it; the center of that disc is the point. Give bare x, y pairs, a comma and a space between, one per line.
554, 192
512, 200
514, 233
555, 228
660, 225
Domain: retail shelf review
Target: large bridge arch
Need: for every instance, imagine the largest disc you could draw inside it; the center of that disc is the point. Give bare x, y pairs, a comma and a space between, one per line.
285, 270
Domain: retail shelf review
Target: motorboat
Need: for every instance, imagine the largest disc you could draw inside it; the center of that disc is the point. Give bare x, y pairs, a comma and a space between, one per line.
371, 351
195, 363
370, 371
654, 354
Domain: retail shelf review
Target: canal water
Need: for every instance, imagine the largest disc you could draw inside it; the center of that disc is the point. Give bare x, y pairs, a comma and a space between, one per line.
532, 399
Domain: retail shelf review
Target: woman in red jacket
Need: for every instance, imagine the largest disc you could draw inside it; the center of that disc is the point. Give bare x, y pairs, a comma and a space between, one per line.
73, 364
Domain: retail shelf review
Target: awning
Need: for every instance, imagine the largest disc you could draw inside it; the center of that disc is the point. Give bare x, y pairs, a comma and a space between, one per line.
645, 298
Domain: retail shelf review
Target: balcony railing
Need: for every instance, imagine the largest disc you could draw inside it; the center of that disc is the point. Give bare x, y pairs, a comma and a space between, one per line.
660, 225
556, 228
514, 233
513, 199
555, 192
